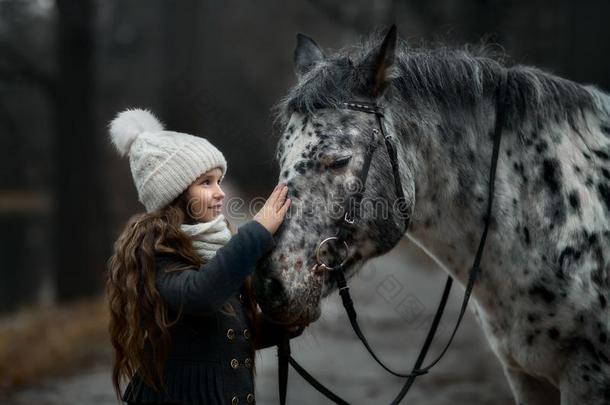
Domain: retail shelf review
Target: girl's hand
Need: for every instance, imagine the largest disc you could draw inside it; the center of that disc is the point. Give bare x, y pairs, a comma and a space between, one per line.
271, 215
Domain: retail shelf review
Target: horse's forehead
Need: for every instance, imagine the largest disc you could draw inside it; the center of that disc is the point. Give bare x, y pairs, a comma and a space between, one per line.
307, 134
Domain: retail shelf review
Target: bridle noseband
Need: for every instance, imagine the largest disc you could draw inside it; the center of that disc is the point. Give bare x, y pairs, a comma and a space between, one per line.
337, 271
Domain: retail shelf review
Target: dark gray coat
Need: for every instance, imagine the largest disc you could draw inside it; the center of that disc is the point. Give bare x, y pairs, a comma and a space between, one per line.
211, 352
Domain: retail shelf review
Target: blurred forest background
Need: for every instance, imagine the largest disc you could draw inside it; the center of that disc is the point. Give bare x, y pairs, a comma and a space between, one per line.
212, 68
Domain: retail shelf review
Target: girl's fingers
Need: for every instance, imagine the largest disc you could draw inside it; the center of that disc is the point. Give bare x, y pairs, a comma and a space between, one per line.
274, 195
285, 207
282, 196
274, 192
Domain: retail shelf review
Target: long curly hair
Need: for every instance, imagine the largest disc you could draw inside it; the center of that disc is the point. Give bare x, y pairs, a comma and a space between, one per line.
139, 318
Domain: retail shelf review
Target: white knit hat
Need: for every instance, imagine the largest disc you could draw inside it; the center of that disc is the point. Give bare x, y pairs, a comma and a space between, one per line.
163, 163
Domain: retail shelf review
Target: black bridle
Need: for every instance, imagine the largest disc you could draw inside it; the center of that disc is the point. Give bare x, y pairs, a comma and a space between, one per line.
350, 217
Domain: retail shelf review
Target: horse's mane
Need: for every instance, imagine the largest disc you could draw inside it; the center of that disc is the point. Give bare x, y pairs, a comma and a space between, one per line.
443, 77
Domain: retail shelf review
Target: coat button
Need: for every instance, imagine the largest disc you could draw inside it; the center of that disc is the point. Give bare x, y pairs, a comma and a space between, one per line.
230, 334
234, 401
250, 398
241, 298
246, 333
248, 362
234, 363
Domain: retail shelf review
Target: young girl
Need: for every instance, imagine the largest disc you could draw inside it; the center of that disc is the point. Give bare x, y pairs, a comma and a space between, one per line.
184, 325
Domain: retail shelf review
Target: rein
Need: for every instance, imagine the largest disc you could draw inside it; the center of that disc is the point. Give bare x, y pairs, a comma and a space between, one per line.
349, 219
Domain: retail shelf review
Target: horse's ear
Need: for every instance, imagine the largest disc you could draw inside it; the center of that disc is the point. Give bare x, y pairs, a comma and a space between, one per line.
306, 54
377, 65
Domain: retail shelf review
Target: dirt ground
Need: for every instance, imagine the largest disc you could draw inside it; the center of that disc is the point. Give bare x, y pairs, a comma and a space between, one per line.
395, 296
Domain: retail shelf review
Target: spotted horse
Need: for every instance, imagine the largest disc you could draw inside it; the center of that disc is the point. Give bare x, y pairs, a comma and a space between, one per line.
542, 294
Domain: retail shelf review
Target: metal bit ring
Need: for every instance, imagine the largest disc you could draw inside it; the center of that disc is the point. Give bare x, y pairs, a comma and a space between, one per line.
319, 260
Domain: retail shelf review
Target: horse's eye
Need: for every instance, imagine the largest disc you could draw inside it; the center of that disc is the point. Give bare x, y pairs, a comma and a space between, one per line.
340, 162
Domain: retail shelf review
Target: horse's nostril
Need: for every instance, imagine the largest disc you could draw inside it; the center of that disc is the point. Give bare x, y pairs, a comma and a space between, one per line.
274, 287
275, 293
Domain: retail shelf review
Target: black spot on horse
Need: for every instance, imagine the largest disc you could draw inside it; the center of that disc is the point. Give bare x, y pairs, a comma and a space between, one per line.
559, 212
551, 172
589, 182
541, 147
589, 347
604, 192
568, 253
526, 235
602, 301
302, 167
601, 154
605, 128
538, 290
574, 200
553, 333
320, 134
603, 338
305, 121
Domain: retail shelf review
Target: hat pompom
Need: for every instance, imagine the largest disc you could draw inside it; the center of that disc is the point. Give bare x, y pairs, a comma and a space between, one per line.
127, 125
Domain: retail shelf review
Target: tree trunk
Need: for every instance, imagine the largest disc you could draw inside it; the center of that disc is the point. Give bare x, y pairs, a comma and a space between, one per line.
80, 212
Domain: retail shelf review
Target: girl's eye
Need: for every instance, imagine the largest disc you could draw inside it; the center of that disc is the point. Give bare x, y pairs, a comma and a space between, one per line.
206, 182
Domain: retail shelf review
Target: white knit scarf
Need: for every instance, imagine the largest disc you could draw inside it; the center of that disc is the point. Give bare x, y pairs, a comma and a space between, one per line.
208, 237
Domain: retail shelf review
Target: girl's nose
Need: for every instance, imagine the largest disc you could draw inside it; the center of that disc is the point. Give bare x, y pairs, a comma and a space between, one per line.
219, 193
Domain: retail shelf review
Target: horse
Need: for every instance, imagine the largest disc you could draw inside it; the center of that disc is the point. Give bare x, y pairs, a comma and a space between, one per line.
542, 294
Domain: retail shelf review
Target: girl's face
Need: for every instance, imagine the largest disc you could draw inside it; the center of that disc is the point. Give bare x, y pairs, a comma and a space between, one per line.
205, 197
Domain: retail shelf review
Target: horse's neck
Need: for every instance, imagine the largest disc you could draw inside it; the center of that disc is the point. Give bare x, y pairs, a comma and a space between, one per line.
537, 165
451, 188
